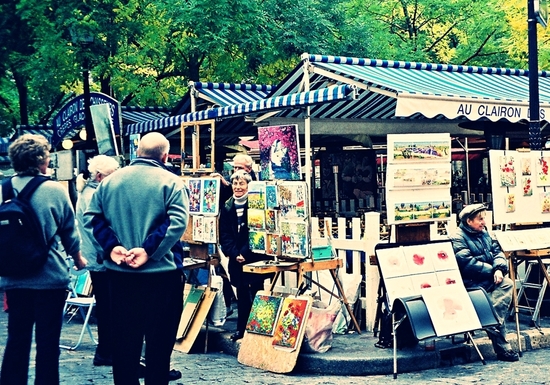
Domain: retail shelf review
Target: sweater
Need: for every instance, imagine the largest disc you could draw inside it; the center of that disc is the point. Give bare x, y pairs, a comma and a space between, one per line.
88, 245
54, 211
142, 205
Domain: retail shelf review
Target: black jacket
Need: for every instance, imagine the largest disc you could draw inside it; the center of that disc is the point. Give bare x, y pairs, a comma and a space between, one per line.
234, 242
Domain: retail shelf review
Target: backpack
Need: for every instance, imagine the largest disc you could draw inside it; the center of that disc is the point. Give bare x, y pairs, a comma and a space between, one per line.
24, 250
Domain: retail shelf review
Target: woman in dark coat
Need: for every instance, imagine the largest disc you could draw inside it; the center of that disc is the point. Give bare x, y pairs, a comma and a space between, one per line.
235, 245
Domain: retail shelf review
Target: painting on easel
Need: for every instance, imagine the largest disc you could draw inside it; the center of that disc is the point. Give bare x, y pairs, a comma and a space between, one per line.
451, 309
279, 153
263, 315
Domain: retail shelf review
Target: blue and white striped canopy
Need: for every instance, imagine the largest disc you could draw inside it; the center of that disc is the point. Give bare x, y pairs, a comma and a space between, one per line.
294, 100
395, 89
225, 94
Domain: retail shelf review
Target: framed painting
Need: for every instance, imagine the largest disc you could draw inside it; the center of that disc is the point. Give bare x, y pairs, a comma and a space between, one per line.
195, 193
257, 195
419, 148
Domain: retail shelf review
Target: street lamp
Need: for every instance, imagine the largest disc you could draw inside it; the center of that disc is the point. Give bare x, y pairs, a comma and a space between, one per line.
84, 38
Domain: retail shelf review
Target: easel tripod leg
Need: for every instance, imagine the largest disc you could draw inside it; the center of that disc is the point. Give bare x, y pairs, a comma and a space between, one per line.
476, 348
515, 302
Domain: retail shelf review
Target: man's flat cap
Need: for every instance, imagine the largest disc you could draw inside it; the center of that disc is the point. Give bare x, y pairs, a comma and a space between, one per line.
470, 211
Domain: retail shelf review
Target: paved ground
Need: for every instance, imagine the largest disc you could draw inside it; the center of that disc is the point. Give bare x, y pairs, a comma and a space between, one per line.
351, 358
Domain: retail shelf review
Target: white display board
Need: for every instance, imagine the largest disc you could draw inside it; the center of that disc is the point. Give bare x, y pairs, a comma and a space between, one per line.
520, 183
418, 178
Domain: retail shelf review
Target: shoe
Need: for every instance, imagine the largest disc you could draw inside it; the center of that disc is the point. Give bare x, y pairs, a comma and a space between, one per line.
508, 356
174, 375
237, 336
102, 361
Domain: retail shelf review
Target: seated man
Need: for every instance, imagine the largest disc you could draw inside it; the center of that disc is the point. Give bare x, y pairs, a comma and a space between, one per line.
483, 264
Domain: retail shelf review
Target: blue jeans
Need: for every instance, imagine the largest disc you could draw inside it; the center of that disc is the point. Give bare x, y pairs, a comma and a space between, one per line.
28, 307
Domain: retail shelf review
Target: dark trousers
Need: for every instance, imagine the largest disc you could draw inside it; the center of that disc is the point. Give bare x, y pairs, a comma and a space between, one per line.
102, 291
145, 306
246, 291
27, 307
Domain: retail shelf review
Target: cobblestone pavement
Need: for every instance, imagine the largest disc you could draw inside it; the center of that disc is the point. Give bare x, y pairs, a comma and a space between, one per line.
219, 368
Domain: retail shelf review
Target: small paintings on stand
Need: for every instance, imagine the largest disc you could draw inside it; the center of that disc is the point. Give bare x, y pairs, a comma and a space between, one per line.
204, 195
519, 184
203, 209
278, 218
419, 178
408, 270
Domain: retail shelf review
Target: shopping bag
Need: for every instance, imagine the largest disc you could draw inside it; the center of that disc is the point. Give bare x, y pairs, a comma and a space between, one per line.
319, 334
218, 311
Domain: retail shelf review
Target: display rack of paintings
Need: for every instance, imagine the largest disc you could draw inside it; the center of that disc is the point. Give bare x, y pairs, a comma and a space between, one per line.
520, 183
278, 218
430, 271
279, 153
419, 178
203, 208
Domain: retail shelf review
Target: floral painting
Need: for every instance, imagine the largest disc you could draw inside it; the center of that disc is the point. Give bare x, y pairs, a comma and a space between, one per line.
545, 202
279, 153
510, 202
210, 234
263, 315
198, 228
507, 171
290, 323
542, 171
527, 186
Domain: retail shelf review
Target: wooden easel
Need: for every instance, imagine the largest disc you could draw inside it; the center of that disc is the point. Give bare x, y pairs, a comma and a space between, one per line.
332, 265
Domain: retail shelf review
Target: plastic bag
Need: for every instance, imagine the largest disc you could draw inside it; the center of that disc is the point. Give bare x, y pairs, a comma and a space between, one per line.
318, 338
350, 283
218, 311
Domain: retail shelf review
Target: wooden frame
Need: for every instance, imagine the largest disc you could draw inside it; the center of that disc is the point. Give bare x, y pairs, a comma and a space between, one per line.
195, 147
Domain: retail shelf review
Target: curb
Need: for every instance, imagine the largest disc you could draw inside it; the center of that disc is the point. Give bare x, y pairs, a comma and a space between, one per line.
355, 355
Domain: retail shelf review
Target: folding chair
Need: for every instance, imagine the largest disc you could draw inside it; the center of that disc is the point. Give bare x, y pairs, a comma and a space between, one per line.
79, 299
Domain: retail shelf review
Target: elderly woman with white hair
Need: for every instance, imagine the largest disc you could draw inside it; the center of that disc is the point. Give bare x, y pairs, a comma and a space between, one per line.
99, 167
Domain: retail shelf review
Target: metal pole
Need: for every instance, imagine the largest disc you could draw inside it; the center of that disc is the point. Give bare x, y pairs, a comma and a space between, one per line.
534, 105
90, 133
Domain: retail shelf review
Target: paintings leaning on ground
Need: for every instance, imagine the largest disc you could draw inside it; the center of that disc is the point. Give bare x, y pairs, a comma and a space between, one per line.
418, 185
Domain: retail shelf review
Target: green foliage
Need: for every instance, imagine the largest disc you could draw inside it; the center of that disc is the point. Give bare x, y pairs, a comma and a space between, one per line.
145, 53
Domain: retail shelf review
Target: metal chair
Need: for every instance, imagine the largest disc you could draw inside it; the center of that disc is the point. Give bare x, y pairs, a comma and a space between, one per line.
78, 300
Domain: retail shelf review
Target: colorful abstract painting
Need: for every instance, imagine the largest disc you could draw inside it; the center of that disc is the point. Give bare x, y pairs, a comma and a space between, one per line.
263, 315
210, 196
290, 322
271, 196
271, 220
195, 189
279, 153
273, 246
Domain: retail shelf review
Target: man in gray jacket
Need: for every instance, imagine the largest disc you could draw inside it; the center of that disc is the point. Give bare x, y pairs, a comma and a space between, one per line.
483, 264
138, 217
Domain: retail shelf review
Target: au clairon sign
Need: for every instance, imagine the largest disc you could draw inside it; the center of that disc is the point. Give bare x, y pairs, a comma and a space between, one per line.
72, 116
513, 113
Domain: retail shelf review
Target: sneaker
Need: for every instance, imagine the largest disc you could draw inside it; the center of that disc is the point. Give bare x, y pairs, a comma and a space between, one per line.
508, 356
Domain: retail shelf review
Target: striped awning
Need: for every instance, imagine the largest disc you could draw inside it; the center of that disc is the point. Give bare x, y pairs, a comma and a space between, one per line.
294, 100
226, 94
395, 89
137, 114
